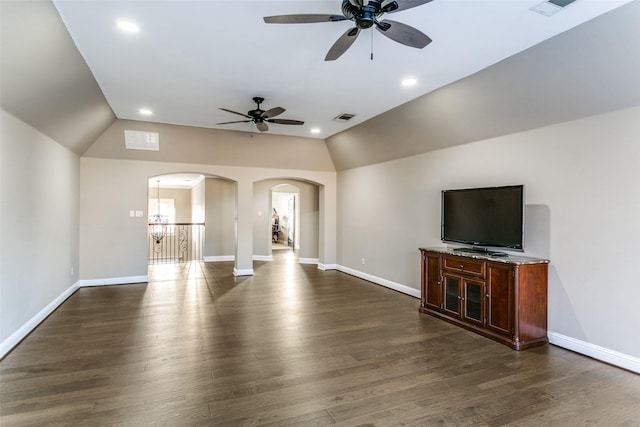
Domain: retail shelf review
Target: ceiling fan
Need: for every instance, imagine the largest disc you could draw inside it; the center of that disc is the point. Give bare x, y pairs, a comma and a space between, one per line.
261, 117
364, 16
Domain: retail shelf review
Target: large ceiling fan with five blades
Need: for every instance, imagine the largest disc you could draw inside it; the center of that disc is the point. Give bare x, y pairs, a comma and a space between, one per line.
364, 16
261, 117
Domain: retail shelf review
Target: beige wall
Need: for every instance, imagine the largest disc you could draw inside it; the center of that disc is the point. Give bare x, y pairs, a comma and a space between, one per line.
582, 208
185, 144
220, 213
181, 199
113, 245
39, 186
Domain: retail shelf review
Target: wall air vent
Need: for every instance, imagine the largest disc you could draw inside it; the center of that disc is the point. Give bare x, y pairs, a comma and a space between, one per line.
140, 140
550, 7
344, 117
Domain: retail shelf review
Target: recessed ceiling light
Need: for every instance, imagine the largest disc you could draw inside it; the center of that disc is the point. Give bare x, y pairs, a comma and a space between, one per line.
409, 82
315, 130
145, 111
128, 26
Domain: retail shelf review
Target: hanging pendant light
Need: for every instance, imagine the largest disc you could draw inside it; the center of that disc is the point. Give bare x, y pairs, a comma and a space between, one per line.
159, 226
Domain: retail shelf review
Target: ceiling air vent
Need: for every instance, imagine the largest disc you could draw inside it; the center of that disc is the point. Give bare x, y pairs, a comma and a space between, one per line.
345, 117
550, 7
140, 140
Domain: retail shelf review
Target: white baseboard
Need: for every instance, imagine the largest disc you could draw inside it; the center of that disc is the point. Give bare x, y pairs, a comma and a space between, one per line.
308, 260
113, 281
379, 281
245, 272
595, 351
219, 258
325, 267
603, 354
32, 323
263, 257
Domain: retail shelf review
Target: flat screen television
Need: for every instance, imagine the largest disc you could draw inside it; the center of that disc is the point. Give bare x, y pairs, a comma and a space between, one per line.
490, 217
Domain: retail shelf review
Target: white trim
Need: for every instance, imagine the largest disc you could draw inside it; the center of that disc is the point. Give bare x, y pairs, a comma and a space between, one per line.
603, 354
380, 281
263, 257
219, 258
308, 260
22, 332
15, 338
113, 281
325, 267
245, 272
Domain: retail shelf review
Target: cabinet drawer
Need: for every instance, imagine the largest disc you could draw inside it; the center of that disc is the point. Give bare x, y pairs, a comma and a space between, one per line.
464, 265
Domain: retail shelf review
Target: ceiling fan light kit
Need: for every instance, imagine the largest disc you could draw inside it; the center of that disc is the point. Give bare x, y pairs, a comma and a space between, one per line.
364, 16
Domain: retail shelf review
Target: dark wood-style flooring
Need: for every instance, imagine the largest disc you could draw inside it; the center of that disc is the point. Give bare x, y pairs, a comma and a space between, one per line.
291, 345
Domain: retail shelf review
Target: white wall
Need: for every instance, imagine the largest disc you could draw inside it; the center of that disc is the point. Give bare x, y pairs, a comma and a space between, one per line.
39, 186
583, 213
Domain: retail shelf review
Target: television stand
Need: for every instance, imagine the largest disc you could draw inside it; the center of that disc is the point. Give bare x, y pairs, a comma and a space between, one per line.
504, 299
481, 251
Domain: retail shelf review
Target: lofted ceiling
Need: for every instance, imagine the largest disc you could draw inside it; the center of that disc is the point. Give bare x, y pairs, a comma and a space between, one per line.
190, 58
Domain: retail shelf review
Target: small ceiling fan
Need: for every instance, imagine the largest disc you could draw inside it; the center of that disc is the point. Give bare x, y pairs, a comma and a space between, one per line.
261, 117
364, 16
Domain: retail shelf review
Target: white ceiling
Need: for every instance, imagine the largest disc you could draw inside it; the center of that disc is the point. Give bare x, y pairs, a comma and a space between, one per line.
192, 57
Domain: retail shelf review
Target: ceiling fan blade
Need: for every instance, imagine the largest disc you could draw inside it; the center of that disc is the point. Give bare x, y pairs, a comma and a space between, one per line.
404, 34
235, 112
405, 4
285, 121
238, 121
358, 3
273, 112
342, 44
262, 126
307, 18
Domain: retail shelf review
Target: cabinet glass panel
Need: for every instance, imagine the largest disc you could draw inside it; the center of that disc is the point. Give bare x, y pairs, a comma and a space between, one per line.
452, 294
473, 301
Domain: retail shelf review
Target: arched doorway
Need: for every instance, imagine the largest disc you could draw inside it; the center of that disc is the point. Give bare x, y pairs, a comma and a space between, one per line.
191, 218
285, 222
300, 203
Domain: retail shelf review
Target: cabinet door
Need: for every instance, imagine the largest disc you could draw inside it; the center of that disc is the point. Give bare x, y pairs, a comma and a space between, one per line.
432, 293
473, 301
499, 298
452, 297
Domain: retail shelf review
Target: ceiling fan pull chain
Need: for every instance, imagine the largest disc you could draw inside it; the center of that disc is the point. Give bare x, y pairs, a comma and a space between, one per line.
371, 44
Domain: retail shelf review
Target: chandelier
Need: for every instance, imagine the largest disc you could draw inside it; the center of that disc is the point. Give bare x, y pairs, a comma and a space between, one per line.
158, 225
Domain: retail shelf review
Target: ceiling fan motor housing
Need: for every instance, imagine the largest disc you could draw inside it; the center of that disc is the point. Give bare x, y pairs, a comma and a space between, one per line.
364, 16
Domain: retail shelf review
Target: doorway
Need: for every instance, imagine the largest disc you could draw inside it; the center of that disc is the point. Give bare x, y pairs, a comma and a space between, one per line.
174, 233
284, 218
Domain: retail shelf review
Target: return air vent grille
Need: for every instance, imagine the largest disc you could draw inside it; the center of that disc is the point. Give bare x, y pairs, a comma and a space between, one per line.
344, 117
550, 7
140, 140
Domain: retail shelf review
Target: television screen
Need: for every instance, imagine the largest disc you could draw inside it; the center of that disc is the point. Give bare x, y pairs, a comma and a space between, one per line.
491, 217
